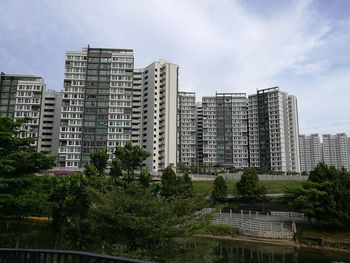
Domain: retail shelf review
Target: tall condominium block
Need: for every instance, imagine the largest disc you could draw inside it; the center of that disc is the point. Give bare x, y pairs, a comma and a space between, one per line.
310, 152
22, 96
159, 114
209, 130
186, 128
51, 122
336, 150
96, 104
199, 127
273, 131
137, 107
225, 133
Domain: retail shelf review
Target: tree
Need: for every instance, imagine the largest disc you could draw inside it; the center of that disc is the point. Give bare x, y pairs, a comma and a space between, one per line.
185, 186
169, 183
130, 158
324, 197
133, 219
69, 208
248, 187
145, 178
17, 156
99, 159
18, 163
20, 194
219, 192
173, 187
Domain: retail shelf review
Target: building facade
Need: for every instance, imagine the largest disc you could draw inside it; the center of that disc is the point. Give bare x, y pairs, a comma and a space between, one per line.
186, 128
158, 118
310, 152
225, 133
96, 104
273, 131
335, 150
51, 122
22, 96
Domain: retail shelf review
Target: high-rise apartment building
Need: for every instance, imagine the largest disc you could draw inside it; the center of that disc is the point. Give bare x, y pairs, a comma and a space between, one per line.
96, 104
310, 152
273, 131
137, 107
186, 128
225, 134
51, 122
159, 89
336, 150
22, 96
199, 128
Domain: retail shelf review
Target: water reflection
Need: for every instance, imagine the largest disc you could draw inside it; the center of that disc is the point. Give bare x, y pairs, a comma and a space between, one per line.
202, 250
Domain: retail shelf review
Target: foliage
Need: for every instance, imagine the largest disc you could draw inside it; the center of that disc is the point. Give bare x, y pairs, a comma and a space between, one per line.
219, 192
134, 218
99, 159
325, 197
19, 195
91, 170
173, 186
69, 205
219, 230
130, 158
248, 188
17, 156
145, 178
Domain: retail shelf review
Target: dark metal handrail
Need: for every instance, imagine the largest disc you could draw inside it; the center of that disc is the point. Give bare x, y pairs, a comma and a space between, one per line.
58, 256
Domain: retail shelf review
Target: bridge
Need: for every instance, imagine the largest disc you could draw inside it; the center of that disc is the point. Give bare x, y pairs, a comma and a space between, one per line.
9, 255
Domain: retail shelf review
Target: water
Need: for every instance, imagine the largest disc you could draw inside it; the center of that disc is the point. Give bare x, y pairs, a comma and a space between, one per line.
233, 251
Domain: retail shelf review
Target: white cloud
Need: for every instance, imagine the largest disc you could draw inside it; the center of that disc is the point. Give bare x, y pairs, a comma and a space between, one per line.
219, 45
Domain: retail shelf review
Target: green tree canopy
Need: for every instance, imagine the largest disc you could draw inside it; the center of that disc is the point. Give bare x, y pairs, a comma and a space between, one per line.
324, 197
134, 218
128, 160
99, 159
19, 195
219, 192
248, 187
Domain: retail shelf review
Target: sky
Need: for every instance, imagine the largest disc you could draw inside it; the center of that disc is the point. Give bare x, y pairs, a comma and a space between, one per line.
220, 45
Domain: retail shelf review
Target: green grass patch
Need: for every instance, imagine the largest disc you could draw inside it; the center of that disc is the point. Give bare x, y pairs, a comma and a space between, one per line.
206, 187
219, 230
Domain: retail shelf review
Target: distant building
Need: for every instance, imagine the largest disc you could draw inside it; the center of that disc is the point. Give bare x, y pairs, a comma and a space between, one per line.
51, 116
225, 133
186, 128
96, 104
336, 150
199, 130
23, 96
310, 152
158, 84
273, 131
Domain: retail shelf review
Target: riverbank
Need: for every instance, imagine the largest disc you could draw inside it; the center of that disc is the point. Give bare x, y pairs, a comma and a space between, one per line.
305, 243
241, 238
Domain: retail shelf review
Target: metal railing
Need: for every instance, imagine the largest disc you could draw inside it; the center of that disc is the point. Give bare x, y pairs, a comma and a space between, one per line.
10, 255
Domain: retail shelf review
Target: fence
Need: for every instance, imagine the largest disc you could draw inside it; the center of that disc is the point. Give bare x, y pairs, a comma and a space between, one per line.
58, 256
262, 177
258, 227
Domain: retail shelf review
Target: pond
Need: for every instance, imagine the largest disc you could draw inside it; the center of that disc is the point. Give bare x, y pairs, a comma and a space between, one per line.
201, 250
236, 251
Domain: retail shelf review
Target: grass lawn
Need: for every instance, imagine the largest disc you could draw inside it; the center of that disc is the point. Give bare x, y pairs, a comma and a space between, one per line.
205, 187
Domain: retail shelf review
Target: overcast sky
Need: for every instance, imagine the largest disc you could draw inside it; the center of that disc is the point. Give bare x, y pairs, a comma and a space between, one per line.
220, 45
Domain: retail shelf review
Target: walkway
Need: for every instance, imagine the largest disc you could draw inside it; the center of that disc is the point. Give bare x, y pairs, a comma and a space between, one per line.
280, 225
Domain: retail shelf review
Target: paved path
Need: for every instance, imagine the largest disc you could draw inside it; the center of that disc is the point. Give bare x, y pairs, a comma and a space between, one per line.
261, 225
